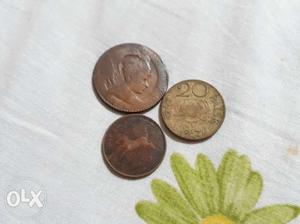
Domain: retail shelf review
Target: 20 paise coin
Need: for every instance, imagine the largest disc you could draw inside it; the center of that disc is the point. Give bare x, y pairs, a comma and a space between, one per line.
193, 110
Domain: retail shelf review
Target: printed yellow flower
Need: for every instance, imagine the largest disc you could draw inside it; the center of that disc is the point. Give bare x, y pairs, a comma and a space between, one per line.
224, 196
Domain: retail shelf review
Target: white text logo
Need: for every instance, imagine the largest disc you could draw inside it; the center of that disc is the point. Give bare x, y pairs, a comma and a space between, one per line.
14, 198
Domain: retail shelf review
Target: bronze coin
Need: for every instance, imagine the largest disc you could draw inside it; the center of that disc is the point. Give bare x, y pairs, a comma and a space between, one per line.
133, 146
130, 78
193, 110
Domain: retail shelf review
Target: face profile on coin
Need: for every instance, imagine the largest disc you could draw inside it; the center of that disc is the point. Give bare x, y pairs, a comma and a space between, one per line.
133, 146
130, 78
193, 110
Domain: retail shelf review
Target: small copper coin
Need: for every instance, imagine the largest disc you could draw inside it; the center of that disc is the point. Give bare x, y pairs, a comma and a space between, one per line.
193, 110
130, 78
133, 146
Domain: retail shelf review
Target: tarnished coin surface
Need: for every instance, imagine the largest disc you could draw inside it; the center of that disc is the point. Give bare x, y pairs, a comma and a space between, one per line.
193, 110
133, 146
130, 78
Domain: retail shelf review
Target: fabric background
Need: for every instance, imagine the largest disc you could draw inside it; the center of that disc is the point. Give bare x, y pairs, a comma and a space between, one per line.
51, 123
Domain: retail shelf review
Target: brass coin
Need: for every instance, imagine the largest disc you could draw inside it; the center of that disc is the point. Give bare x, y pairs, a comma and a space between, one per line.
133, 146
130, 78
193, 110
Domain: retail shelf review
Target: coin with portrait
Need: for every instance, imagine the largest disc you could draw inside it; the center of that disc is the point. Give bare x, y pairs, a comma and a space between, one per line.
193, 110
130, 78
133, 146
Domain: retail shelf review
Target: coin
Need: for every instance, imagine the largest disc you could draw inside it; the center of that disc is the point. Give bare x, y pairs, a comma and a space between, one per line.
133, 146
130, 78
193, 110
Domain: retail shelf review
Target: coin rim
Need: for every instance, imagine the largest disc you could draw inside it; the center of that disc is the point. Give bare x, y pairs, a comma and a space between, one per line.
134, 110
122, 174
185, 138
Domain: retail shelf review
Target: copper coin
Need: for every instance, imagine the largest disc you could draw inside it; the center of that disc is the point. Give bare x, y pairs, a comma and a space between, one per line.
130, 78
193, 110
133, 146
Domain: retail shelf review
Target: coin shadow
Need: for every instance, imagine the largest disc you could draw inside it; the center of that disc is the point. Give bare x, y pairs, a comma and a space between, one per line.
172, 135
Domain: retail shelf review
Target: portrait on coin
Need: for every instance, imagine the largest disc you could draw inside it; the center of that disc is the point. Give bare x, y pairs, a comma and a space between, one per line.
131, 78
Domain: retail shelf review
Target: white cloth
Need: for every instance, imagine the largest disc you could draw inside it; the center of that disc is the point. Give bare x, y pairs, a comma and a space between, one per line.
51, 123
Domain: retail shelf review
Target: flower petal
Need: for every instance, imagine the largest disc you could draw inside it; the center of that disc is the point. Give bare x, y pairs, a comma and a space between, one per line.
168, 197
208, 176
233, 175
190, 184
153, 213
276, 214
248, 196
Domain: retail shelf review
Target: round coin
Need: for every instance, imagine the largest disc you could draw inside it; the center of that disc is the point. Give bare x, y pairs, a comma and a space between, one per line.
193, 110
130, 78
133, 146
